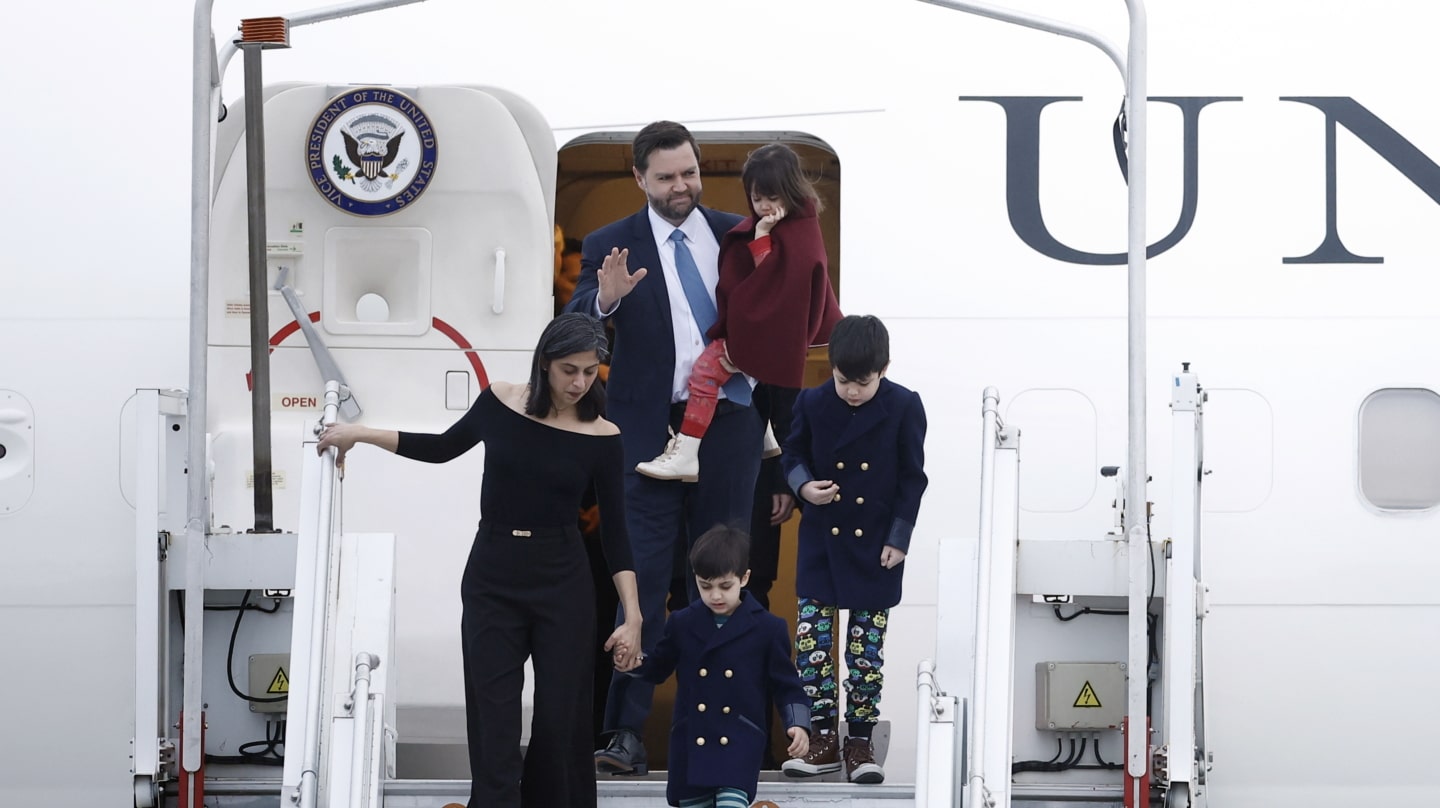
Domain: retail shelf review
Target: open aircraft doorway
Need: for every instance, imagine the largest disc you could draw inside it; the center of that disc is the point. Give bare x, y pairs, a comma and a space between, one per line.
596, 186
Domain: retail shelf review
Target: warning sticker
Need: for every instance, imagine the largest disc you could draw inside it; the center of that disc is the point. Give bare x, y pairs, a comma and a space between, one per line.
1087, 697
281, 683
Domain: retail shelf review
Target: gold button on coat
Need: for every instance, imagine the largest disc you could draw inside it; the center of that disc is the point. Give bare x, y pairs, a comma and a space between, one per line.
834, 531
859, 532
725, 710
836, 499
724, 741
699, 741
859, 500
704, 672
840, 465
700, 707
729, 673
864, 466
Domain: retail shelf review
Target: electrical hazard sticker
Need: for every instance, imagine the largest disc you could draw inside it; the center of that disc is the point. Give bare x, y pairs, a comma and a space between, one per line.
1087, 697
281, 685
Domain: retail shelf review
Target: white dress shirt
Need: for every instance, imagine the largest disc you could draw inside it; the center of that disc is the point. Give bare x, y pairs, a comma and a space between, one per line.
700, 239
689, 342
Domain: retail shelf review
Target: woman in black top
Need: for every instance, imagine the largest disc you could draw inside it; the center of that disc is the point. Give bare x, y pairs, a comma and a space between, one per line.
527, 589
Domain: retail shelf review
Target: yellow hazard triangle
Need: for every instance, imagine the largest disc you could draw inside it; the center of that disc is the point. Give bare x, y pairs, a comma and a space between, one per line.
1087, 697
281, 683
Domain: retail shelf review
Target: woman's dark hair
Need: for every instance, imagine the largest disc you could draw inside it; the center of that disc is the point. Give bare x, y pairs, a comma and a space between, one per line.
721, 551
774, 170
567, 334
859, 346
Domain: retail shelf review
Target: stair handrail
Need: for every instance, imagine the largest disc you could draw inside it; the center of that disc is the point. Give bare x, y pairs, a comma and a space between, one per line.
1133, 67
925, 689
304, 792
359, 706
975, 792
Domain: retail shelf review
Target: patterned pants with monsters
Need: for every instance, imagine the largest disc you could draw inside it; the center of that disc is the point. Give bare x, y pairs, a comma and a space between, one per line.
864, 656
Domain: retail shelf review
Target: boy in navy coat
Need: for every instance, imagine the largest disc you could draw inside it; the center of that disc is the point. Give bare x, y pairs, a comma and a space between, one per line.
855, 456
728, 655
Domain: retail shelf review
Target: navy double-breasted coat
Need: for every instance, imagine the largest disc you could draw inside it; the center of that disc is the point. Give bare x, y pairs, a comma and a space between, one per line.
876, 454
723, 675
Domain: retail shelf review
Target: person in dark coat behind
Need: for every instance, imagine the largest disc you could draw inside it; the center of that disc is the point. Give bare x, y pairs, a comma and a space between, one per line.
731, 659
856, 458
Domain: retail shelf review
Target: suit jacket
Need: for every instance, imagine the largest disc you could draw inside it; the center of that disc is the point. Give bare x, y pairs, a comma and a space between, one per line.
876, 453
642, 363
771, 313
723, 676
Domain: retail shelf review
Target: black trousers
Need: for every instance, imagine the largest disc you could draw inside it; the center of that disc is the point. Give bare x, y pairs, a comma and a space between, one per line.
528, 597
659, 512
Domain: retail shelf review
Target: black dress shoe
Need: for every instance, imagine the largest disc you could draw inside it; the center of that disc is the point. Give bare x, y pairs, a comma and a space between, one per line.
625, 754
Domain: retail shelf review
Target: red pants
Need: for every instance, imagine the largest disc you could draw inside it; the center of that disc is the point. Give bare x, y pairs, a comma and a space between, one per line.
706, 378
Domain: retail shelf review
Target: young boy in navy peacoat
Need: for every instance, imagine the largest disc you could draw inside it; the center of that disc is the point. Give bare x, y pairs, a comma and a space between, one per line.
856, 458
728, 655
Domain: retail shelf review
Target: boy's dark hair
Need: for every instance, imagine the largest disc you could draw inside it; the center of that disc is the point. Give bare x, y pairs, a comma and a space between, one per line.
721, 551
567, 334
660, 135
774, 170
859, 346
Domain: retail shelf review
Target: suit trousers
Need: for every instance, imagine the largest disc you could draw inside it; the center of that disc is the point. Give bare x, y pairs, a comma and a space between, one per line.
661, 513
528, 596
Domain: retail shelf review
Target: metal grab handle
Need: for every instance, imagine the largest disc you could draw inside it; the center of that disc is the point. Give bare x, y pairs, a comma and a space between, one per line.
359, 707
329, 369
497, 302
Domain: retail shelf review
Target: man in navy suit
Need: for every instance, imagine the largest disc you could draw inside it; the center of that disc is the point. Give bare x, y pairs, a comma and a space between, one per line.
657, 339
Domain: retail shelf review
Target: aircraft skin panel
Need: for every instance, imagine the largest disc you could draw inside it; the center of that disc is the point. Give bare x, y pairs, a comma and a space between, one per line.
1330, 693
67, 672
1321, 603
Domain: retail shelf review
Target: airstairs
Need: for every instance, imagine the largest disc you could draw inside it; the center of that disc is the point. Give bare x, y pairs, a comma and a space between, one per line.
1118, 665
341, 739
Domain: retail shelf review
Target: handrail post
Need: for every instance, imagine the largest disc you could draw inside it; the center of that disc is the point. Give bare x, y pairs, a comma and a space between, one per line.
305, 791
197, 503
924, 692
359, 706
1137, 509
1133, 71
975, 789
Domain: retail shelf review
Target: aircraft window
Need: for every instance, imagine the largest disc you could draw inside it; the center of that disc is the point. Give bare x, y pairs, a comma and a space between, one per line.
1400, 449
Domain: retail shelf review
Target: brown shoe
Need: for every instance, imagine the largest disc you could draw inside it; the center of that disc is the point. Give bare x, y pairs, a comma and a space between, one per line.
823, 757
860, 765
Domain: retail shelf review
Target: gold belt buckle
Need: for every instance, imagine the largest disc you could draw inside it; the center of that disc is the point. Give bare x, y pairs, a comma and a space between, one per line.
521, 533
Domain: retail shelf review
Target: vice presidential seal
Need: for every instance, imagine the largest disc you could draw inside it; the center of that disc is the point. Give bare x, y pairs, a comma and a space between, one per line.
371, 151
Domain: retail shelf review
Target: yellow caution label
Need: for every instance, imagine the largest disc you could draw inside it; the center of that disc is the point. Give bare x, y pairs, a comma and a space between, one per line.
281, 684
1087, 697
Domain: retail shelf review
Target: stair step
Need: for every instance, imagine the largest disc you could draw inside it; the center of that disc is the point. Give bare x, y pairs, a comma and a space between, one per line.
646, 792
260, 791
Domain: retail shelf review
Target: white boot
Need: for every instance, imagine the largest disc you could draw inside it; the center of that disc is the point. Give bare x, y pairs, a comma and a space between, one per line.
771, 446
680, 461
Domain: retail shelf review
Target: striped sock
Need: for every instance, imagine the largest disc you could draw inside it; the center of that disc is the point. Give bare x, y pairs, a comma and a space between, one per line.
700, 802
731, 798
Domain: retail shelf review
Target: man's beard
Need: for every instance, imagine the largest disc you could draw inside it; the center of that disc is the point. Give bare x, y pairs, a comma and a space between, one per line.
675, 209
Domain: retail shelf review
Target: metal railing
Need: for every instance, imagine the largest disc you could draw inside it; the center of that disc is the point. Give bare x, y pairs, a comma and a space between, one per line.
359, 707
207, 71
1133, 67
976, 793
317, 608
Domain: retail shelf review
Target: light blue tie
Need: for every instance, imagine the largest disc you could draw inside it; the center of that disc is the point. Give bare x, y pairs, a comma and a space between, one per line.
738, 388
